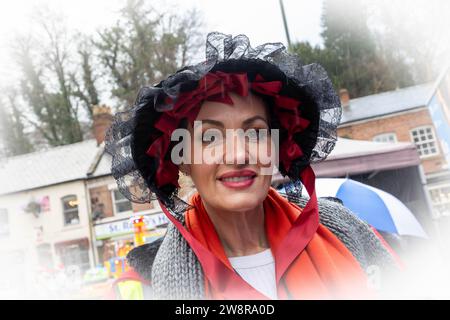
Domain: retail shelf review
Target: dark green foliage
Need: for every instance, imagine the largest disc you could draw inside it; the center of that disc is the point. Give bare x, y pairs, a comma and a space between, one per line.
350, 53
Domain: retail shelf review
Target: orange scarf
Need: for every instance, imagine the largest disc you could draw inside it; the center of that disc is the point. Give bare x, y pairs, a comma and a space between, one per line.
325, 269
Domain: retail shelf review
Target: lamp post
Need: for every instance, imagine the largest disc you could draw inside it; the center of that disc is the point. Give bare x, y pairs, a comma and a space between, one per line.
283, 14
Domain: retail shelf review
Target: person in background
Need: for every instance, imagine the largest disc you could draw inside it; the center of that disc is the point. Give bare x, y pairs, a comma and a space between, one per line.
135, 284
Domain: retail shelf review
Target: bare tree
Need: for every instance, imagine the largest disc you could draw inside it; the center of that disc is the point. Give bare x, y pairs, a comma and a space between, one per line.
84, 82
12, 127
144, 46
52, 84
65, 74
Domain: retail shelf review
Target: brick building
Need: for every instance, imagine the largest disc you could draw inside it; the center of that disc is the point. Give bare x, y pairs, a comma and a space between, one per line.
402, 115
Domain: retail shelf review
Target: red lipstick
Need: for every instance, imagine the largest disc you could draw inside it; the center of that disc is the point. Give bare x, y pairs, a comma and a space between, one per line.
238, 178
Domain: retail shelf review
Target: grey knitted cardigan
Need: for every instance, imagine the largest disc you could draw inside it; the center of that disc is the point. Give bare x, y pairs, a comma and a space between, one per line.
176, 273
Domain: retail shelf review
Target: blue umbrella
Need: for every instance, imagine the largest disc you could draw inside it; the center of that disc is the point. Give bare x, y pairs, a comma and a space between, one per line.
378, 208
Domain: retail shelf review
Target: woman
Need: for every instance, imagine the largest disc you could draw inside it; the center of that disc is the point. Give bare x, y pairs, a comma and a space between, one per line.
237, 238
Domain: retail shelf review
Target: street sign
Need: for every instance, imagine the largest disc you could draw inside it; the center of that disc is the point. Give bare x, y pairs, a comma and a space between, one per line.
125, 226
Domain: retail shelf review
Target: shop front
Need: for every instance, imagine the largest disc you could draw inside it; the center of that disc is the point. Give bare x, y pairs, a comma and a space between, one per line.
73, 254
114, 239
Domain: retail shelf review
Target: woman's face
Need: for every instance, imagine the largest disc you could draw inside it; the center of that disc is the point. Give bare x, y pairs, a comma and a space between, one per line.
236, 181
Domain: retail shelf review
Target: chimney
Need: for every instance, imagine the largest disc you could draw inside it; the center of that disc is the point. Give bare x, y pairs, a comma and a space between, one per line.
102, 121
345, 97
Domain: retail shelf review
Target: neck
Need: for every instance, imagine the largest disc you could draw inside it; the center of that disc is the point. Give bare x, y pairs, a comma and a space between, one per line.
241, 233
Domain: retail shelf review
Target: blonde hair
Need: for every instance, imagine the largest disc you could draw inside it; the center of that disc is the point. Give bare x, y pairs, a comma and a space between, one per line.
187, 187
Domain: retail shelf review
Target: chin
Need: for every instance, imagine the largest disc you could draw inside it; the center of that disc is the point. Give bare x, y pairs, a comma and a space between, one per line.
243, 200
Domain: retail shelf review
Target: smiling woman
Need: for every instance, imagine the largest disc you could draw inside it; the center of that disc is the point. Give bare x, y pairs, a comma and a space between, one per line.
232, 188
236, 237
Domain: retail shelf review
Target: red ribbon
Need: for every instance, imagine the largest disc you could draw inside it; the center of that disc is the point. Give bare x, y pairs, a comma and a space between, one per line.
215, 87
227, 281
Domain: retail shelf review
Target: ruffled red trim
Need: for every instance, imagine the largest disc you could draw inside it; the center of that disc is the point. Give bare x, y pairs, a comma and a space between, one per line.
215, 86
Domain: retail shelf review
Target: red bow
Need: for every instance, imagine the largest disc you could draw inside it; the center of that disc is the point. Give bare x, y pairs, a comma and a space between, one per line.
215, 87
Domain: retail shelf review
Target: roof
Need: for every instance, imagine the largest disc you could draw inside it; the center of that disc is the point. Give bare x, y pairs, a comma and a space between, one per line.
358, 156
348, 148
47, 167
385, 103
103, 165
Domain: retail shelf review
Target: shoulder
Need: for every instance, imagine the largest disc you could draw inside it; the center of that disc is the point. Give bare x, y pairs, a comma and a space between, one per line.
176, 272
356, 234
141, 258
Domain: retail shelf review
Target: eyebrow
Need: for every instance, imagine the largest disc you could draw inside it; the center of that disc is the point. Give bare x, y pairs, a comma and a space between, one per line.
213, 122
245, 122
252, 119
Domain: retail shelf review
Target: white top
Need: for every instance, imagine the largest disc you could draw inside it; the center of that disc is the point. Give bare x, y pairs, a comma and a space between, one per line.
258, 270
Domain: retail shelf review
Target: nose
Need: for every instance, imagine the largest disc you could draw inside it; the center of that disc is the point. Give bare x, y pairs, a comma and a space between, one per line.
236, 148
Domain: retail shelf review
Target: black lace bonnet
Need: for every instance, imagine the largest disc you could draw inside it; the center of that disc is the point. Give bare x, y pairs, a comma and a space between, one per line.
133, 131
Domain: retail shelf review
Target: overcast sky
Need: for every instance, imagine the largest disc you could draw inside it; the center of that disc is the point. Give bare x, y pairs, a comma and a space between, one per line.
259, 19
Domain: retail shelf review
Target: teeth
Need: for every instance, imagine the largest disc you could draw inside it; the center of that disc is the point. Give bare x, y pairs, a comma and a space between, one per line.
236, 179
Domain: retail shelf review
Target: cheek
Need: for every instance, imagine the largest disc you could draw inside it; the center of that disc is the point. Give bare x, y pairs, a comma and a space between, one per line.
203, 175
263, 154
266, 182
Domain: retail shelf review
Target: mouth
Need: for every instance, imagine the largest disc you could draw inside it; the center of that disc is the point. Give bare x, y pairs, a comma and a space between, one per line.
238, 179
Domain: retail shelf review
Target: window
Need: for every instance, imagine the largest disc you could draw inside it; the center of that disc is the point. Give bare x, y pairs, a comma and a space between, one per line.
45, 256
4, 223
70, 210
425, 141
74, 254
385, 137
440, 197
121, 204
